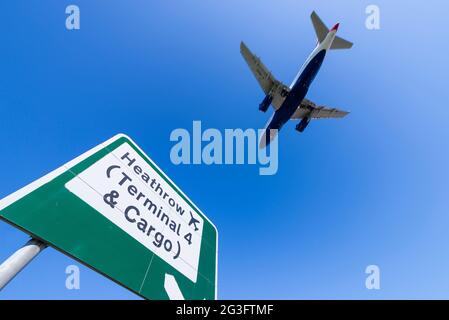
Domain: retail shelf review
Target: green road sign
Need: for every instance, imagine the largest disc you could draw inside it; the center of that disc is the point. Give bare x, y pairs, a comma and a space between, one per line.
114, 210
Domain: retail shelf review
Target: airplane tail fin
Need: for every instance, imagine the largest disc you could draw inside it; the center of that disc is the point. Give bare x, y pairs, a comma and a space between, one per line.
322, 30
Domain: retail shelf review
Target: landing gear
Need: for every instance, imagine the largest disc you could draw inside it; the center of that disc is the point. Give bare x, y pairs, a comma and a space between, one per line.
263, 106
303, 124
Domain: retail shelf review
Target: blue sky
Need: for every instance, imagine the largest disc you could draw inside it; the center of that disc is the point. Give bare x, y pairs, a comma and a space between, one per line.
369, 189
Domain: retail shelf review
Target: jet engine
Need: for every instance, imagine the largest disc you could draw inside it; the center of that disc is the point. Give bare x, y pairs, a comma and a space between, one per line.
265, 104
303, 124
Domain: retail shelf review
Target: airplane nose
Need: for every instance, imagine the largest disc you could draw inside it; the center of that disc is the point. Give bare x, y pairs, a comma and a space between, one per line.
263, 142
267, 137
335, 28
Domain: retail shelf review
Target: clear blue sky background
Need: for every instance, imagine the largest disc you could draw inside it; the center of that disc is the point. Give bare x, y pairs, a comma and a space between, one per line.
369, 189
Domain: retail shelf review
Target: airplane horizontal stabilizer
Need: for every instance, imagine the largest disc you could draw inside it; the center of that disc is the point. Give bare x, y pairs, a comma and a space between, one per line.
340, 43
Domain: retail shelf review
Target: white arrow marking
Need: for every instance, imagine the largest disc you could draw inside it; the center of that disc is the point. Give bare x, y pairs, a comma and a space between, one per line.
172, 288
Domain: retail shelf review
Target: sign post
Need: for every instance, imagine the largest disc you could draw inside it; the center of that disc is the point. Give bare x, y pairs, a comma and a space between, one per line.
19, 260
114, 210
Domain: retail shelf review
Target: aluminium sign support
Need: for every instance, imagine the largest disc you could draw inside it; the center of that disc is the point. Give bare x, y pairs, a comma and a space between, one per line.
19, 260
114, 210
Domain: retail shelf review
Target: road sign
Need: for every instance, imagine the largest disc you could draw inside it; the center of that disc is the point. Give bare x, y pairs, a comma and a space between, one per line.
114, 210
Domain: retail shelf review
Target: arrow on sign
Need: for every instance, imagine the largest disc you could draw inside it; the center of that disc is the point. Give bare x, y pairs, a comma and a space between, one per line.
172, 288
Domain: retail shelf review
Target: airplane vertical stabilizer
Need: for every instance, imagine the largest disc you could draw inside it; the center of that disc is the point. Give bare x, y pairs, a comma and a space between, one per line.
320, 28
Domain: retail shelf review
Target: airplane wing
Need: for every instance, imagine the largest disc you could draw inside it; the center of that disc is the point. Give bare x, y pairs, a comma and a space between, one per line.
310, 109
266, 80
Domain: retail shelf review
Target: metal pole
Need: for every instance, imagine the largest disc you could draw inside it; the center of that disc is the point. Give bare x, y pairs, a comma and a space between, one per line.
19, 260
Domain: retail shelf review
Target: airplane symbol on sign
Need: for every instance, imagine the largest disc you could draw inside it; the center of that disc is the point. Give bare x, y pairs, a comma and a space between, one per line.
193, 221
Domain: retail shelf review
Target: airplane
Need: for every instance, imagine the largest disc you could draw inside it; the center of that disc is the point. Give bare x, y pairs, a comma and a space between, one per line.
290, 102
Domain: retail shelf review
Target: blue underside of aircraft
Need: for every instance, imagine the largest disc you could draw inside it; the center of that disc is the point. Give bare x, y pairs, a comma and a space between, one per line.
297, 93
